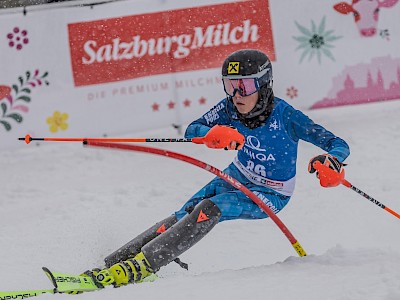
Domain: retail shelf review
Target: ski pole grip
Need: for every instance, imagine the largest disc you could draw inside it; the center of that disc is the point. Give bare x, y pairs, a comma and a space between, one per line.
220, 136
327, 176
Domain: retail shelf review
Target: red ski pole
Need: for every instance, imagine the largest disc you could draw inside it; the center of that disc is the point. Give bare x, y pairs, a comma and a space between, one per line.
217, 137
29, 139
330, 175
365, 195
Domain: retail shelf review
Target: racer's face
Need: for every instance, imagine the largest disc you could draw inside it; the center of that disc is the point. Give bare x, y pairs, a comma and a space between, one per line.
245, 104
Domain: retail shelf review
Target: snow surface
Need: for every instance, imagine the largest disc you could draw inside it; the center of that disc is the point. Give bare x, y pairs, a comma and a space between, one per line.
67, 207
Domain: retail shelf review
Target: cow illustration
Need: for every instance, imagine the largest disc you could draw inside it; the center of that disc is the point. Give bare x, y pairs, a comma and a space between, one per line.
366, 13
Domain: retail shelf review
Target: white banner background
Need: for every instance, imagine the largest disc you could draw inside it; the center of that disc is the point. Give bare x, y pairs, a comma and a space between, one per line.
116, 108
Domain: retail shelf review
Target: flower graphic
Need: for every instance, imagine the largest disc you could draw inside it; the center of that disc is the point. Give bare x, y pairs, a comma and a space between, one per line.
18, 97
57, 121
315, 41
291, 92
17, 38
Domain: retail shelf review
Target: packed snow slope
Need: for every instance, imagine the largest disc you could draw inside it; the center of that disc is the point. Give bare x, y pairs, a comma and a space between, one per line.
67, 207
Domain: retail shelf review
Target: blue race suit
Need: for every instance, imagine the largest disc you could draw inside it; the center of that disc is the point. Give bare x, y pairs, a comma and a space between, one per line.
266, 164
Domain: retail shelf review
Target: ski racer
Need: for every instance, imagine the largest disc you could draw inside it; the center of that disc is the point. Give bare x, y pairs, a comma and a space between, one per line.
266, 131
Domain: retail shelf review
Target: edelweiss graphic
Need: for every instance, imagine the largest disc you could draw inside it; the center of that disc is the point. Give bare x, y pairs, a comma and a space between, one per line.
274, 125
316, 41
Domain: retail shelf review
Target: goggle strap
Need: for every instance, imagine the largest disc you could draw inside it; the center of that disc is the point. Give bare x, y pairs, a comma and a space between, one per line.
258, 75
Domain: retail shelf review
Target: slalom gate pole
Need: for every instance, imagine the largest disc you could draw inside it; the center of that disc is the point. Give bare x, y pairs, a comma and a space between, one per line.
296, 245
29, 139
329, 173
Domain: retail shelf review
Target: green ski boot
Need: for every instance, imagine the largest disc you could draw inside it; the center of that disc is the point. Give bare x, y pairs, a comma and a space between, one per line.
133, 270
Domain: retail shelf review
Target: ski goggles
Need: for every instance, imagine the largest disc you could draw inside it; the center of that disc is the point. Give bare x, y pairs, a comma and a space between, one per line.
245, 87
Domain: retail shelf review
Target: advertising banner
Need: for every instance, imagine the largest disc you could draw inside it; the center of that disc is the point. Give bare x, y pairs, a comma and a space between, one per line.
122, 67
180, 40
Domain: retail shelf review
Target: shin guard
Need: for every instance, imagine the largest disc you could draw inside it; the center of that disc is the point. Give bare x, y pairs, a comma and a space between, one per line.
132, 248
183, 235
